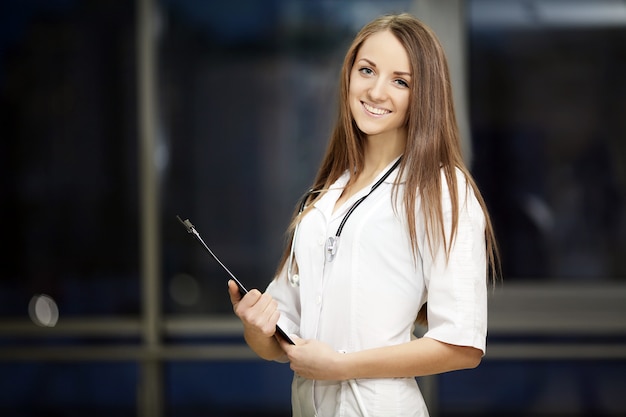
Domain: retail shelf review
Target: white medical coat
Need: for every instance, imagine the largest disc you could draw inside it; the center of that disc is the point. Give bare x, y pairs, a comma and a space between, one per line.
370, 294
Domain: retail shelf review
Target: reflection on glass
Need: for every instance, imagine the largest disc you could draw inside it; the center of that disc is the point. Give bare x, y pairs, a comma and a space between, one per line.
548, 129
68, 170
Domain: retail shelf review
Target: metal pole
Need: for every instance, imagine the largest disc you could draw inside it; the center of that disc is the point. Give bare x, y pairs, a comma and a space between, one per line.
150, 379
447, 19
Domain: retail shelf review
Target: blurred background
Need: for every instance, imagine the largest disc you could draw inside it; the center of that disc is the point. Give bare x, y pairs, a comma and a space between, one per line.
118, 115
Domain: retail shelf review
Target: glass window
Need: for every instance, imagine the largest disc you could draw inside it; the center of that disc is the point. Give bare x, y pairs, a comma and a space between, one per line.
549, 134
220, 388
246, 117
71, 389
68, 158
536, 388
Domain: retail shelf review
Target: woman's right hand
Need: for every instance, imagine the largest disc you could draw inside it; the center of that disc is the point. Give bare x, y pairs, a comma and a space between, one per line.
257, 311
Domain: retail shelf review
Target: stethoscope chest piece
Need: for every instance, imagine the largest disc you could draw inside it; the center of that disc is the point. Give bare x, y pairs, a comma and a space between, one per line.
294, 280
332, 243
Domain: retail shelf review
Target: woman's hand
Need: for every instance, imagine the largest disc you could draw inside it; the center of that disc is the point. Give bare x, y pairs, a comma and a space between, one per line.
257, 311
313, 359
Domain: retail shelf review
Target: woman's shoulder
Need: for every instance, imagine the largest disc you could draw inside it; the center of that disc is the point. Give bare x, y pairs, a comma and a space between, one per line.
466, 195
460, 176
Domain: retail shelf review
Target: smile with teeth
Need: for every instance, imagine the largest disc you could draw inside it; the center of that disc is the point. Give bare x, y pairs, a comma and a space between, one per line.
375, 110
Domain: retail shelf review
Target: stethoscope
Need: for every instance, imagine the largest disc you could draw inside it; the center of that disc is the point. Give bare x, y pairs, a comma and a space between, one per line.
332, 243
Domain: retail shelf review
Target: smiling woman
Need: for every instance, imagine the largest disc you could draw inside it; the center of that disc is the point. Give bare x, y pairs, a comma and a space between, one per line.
417, 241
379, 89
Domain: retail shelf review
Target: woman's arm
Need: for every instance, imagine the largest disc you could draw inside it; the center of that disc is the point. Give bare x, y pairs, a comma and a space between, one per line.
420, 357
259, 314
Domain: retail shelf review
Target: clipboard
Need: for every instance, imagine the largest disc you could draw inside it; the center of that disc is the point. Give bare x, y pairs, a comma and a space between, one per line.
242, 290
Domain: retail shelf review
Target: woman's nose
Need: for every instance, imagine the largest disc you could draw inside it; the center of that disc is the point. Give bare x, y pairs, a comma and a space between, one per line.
378, 90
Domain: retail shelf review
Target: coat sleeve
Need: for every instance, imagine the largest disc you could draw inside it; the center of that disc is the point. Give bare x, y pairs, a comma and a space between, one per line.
288, 298
457, 289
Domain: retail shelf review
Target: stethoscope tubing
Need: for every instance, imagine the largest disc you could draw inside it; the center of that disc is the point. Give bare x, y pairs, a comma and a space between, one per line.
333, 241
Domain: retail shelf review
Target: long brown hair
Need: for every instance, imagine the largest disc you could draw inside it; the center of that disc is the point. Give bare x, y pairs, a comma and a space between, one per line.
432, 144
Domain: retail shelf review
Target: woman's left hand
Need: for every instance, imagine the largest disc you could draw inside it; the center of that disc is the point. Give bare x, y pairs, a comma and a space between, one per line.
313, 359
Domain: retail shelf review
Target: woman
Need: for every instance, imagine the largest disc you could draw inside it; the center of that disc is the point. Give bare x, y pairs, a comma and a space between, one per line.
394, 226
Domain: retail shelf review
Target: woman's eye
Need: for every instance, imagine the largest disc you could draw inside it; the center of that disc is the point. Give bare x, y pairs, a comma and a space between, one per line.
366, 71
402, 83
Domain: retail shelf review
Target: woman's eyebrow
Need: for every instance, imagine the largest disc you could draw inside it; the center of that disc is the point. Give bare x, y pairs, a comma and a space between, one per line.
405, 74
372, 64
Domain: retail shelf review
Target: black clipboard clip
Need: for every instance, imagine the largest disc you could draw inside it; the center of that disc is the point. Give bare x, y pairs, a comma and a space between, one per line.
242, 290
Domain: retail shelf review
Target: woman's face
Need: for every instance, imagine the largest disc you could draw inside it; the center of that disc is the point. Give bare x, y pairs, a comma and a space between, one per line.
379, 90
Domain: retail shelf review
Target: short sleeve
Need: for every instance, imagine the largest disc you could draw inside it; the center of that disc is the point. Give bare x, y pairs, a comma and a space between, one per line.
288, 298
457, 289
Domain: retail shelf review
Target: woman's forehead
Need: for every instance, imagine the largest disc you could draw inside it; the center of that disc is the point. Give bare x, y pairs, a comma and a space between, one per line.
383, 49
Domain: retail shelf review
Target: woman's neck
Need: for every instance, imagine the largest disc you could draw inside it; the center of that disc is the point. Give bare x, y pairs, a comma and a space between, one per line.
378, 155
380, 152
